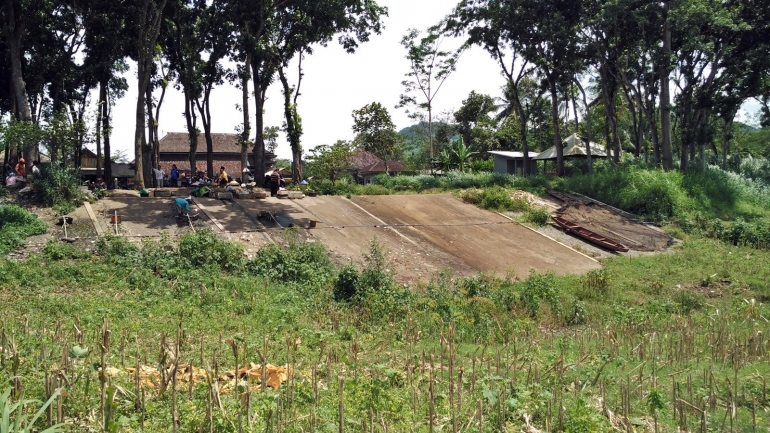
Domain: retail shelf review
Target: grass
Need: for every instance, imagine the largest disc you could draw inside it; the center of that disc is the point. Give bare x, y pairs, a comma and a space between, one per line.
481, 353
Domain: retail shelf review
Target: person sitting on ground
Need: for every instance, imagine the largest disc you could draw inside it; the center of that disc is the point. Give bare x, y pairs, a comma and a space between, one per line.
223, 178
21, 167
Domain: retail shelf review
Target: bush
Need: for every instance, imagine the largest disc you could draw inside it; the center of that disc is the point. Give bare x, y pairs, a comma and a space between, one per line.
203, 249
540, 288
297, 262
16, 224
538, 216
116, 248
60, 187
346, 284
57, 250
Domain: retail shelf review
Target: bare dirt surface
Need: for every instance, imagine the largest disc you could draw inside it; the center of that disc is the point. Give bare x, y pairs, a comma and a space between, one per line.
604, 221
140, 217
480, 239
347, 231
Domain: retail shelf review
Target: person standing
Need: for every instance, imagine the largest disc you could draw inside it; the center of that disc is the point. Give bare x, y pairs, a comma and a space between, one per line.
275, 183
159, 174
174, 175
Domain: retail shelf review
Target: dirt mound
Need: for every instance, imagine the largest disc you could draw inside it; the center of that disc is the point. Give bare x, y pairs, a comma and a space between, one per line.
605, 222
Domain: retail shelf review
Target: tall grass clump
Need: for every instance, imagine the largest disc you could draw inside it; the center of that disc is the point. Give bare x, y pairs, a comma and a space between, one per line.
203, 249
654, 194
17, 224
59, 187
494, 198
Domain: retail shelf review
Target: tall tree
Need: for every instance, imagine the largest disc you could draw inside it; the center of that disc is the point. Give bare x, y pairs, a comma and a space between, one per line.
376, 132
430, 67
488, 25
148, 20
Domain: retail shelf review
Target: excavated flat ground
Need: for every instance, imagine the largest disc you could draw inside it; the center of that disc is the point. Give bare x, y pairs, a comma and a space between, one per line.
420, 234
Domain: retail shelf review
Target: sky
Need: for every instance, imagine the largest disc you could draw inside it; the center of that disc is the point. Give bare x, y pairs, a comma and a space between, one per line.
335, 83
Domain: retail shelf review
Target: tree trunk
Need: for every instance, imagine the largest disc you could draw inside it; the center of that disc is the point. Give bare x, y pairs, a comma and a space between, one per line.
192, 131
589, 157
259, 139
148, 35
104, 114
99, 140
292, 128
246, 132
556, 127
667, 157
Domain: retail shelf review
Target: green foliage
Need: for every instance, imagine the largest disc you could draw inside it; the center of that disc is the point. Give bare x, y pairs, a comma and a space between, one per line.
116, 248
654, 194
58, 250
540, 288
582, 418
537, 215
295, 262
688, 300
329, 162
17, 224
59, 187
376, 131
15, 417
346, 284
495, 198
203, 249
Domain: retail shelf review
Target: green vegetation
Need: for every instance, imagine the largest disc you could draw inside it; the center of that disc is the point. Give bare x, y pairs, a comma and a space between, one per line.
624, 338
16, 224
59, 187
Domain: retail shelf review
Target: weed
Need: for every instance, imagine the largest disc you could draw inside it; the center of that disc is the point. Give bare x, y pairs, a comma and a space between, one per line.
57, 250
16, 224
538, 216
540, 288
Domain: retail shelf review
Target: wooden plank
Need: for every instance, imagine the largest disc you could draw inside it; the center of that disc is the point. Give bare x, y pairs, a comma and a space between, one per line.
92, 215
209, 215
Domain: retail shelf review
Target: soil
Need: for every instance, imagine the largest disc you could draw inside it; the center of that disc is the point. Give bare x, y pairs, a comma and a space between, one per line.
420, 234
481, 240
606, 222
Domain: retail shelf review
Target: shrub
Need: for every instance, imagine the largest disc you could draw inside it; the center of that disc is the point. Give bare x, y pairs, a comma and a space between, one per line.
538, 216
115, 247
57, 250
688, 301
202, 249
540, 288
17, 224
346, 284
59, 187
296, 262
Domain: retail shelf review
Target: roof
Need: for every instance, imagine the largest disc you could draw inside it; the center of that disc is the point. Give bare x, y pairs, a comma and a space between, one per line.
512, 155
362, 159
367, 162
179, 142
573, 146
379, 167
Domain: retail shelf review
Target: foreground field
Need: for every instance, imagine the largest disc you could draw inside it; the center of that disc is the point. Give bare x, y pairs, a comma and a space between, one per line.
673, 341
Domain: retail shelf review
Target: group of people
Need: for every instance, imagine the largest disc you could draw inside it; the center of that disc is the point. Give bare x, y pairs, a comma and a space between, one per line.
17, 175
174, 179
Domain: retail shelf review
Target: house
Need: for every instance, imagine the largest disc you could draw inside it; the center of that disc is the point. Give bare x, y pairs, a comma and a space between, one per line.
175, 149
122, 172
365, 165
513, 162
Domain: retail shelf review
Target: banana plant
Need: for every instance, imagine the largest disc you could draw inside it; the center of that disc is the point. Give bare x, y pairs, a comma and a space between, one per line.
463, 153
